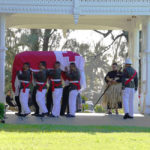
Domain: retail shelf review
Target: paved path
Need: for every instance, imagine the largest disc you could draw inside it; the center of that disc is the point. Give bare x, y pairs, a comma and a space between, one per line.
82, 119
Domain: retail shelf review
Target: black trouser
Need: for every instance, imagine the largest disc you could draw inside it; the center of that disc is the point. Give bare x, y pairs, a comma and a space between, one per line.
49, 100
34, 100
18, 103
65, 100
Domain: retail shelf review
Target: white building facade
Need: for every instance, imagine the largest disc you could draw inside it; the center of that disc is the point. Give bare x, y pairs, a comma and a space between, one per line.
128, 15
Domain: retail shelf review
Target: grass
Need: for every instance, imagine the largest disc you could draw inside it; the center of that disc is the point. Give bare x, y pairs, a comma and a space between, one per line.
58, 137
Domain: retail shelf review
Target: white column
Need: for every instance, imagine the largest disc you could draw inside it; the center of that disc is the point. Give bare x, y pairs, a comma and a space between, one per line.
130, 44
147, 51
143, 69
76, 10
133, 54
136, 62
2, 58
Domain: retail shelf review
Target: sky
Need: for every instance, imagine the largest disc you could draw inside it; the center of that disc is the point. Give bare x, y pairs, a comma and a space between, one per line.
90, 37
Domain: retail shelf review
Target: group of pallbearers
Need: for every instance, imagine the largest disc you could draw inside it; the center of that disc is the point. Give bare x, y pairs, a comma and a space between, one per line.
121, 88
48, 101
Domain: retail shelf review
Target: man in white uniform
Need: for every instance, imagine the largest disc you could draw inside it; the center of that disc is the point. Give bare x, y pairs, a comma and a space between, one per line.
41, 80
129, 87
56, 86
25, 80
74, 86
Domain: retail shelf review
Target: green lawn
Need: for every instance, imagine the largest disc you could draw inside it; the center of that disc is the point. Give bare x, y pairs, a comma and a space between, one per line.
52, 137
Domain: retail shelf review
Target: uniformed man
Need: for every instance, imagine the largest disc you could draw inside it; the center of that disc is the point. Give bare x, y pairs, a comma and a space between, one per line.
41, 80
129, 86
25, 79
56, 86
65, 100
74, 79
113, 97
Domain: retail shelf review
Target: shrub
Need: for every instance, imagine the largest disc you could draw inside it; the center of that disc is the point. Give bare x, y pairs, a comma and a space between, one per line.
84, 107
2, 111
99, 109
84, 98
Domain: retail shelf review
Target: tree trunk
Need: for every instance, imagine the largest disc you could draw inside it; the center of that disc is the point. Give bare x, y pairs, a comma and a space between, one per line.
35, 45
46, 39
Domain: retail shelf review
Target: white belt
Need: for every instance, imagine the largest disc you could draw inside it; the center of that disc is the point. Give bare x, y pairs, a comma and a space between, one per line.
40, 83
22, 81
73, 81
55, 79
128, 79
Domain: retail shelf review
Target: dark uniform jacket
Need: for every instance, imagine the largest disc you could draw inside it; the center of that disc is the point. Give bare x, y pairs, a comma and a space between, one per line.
41, 76
115, 75
73, 76
127, 74
54, 75
24, 76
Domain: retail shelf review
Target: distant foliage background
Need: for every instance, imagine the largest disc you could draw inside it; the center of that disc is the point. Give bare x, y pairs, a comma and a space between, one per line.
111, 47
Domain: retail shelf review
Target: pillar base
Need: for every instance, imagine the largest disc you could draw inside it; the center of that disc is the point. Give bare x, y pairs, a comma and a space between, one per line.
147, 104
135, 104
147, 110
142, 103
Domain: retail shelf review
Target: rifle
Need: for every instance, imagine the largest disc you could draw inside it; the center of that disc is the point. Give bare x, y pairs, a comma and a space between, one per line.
101, 95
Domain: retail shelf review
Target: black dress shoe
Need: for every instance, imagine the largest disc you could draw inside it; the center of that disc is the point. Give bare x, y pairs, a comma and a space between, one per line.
62, 114
26, 114
130, 117
39, 115
17, 114
70, 116
45, 114
20, 115
35, 114
126, 116
52, 116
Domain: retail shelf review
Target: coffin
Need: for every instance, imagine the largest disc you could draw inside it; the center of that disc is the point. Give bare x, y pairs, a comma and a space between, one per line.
50, 57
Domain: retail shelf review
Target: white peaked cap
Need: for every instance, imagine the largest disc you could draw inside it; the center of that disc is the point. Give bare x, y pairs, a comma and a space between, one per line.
128, 61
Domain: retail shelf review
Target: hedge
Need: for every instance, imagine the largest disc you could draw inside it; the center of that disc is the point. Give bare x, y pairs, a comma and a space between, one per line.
2, 111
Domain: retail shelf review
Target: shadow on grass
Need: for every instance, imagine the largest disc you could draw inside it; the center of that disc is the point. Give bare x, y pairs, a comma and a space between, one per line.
67, 128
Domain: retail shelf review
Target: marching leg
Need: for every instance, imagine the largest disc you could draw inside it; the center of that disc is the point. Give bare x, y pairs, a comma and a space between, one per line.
57, 94
72, 102
126, 101
40, 98
24, 101
131, 99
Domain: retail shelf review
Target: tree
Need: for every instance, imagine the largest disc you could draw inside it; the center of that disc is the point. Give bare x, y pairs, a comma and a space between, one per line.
98, 61
18, 40
13, 45
40, 39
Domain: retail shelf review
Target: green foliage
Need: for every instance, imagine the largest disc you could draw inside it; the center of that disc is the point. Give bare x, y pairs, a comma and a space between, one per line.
120, 111
2, 111
84, 107
84, 98
99, 109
